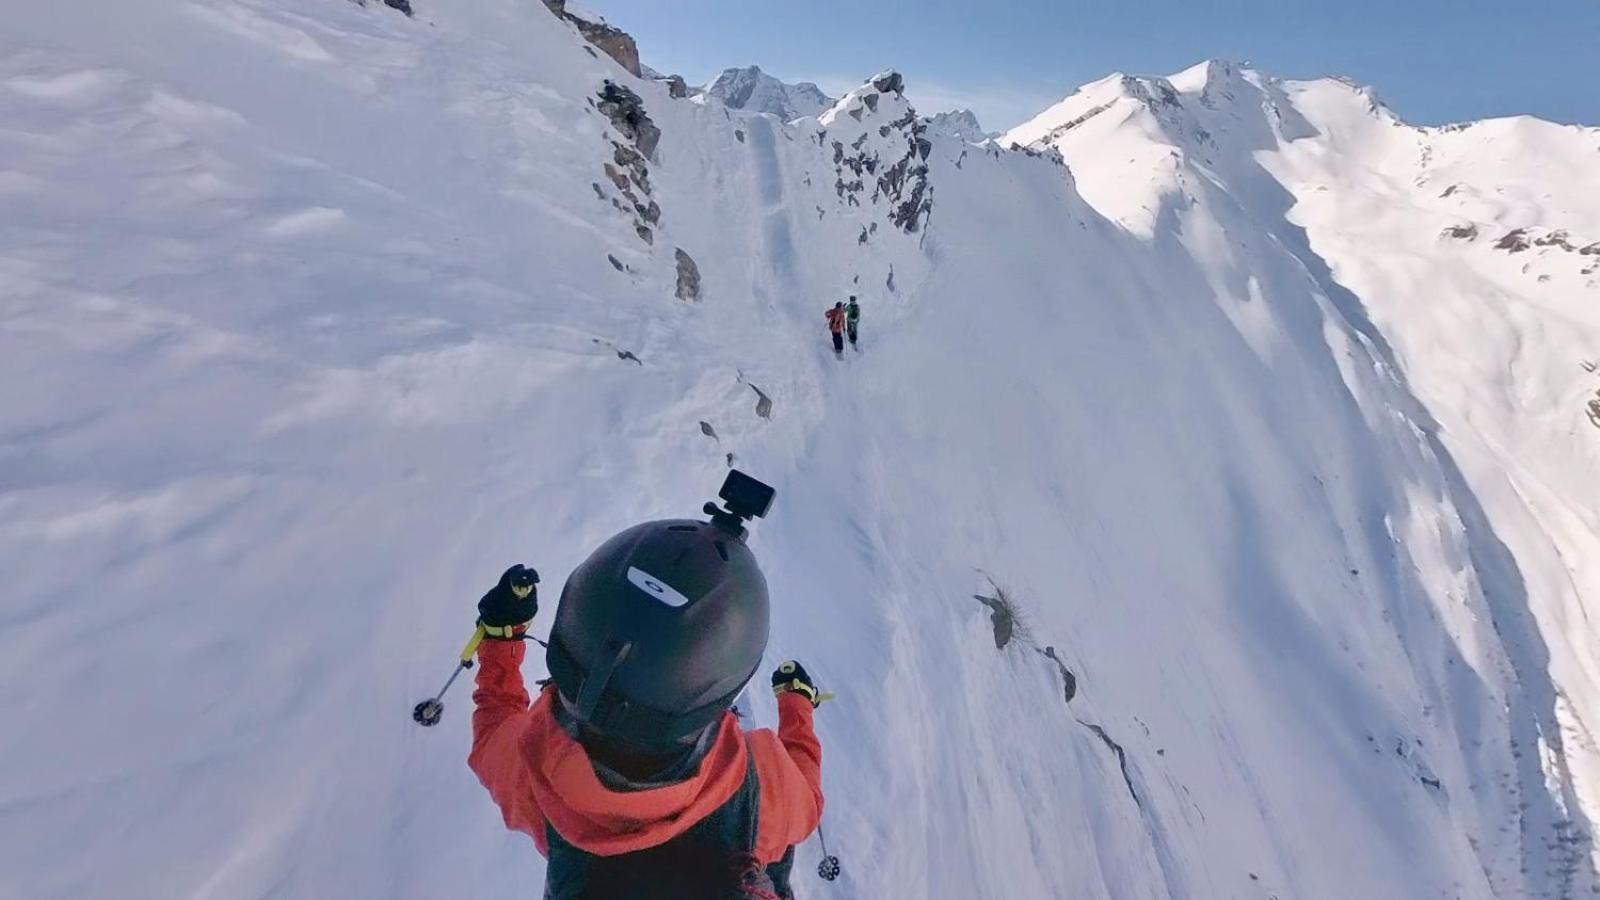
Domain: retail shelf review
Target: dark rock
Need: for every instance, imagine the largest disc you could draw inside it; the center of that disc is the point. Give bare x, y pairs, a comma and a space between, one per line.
688, 276
677, 88
598, 190
1556, 238
626, 111
651, 214
635, 164
889, 82
763, 402
738, 135
1462, 232
871, 100
402, 5
1069, 682
1002, 620
617, 178
645, 234
616, 263
1514, 241
627, 356
708, 431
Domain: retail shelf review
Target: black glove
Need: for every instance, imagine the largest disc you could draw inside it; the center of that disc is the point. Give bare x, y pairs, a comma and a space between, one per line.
511, 604
791, 677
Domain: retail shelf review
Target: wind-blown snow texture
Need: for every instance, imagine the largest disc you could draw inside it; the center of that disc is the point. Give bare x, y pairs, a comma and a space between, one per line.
311, 329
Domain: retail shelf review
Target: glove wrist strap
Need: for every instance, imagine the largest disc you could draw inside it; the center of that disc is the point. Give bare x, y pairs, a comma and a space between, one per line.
503, 632
796, 687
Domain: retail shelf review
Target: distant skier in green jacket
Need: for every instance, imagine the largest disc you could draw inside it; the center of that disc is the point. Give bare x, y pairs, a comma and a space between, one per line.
852, 319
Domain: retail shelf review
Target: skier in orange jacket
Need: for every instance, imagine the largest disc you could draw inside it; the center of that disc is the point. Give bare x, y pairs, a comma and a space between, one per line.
836, 321
629, 770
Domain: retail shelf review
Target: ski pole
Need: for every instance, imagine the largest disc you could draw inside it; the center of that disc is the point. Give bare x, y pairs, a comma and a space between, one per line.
829, 868
428, 712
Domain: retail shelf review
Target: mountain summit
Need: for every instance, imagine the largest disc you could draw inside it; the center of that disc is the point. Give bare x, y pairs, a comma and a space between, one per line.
753, 90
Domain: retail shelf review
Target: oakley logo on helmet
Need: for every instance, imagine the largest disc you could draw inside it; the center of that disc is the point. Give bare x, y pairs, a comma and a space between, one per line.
656, 588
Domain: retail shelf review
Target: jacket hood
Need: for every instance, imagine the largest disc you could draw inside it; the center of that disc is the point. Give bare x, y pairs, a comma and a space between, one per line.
605, 822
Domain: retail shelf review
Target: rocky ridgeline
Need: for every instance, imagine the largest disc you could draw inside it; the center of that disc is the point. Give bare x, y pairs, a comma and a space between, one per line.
613, 42
880, 152
1539, 241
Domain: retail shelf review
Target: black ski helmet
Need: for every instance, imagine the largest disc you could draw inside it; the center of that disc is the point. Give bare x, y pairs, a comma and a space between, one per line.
658, 631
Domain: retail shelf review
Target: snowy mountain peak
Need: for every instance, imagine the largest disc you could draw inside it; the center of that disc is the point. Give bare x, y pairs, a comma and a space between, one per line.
753, 90
961, 124
880, 151
881, 95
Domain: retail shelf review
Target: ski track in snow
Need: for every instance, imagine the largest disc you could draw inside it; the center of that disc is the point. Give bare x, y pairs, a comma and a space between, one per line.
315, 314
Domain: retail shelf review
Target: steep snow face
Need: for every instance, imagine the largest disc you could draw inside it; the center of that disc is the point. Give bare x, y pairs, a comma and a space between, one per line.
326, 315
753, 90
1472, 255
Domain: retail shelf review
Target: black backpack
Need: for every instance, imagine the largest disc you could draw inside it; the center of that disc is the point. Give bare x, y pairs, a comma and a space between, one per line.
714, 860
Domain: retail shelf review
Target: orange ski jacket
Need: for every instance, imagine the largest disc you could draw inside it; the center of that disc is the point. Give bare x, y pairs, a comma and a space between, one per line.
835, 320
539, 775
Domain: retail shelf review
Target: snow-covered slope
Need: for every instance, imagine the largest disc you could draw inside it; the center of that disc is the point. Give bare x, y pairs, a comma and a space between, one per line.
753, 90
1474, 251
323, 316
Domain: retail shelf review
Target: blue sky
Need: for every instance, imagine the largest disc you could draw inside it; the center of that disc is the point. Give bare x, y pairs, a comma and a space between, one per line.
1432, 61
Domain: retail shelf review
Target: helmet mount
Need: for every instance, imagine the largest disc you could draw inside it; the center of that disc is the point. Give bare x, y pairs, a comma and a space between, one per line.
745, 499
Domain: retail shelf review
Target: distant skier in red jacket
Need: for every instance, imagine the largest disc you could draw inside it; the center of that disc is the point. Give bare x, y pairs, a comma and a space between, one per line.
629, 770
836, 322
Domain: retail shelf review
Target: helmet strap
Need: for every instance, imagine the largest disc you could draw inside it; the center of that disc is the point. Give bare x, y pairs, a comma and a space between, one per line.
593, 688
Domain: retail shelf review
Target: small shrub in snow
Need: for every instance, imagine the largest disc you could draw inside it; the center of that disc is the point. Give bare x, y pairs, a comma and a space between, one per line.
1006, 614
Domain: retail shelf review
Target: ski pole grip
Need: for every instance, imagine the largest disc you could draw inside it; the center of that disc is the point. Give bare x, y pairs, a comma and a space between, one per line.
472, 646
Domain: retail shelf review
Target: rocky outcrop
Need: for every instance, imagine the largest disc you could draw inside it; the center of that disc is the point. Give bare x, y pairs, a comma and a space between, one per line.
626, 111
688, 276
628, 170
880, 143
1514, 242
613, 42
